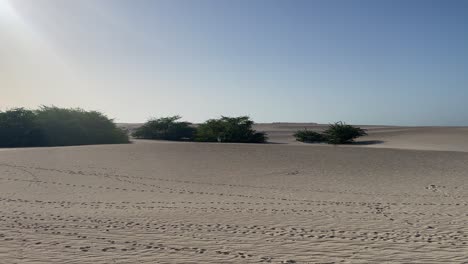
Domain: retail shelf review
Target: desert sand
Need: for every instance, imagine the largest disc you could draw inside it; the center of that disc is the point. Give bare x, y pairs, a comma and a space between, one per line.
399, 195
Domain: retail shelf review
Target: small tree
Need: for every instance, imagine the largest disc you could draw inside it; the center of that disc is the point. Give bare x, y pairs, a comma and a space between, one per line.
19, 128
75, 126
53, 126
165, 128
341, 133
309, 136
229, 129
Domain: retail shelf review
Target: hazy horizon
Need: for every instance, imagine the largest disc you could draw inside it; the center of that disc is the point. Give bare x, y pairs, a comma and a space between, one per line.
362, 62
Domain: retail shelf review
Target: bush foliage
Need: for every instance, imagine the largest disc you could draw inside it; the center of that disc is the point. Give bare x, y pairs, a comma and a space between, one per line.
309, 136
166, 128
337, 133
53, 126
341, 133
229, 129
19, 128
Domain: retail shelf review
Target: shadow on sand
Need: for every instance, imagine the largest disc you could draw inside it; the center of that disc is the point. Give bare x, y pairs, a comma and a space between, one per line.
368, 142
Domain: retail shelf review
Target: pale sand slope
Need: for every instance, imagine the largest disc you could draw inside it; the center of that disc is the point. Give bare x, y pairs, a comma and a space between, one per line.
423, 138
159, 202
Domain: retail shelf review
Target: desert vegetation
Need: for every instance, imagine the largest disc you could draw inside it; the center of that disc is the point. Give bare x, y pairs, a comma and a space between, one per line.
19, 128
337, 133
309, 136
341, 133
224, 129
166, 128
53, 126
229, 129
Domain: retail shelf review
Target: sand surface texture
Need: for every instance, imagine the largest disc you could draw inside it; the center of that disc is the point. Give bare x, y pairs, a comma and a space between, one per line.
160, 202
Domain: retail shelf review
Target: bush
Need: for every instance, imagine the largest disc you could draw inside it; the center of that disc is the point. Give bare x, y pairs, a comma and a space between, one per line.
18, 128
53, 126
341, 133
309, 136
229, 129
166, 128
338, 133
65, 127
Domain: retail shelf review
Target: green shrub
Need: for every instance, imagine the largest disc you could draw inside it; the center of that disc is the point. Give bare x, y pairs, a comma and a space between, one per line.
18, 128
53, 126
166, 128
341, 133
309, 136
229, 129
65, 127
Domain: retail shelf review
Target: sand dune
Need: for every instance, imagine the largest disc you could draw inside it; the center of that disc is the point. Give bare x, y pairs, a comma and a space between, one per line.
418, 138
162, 202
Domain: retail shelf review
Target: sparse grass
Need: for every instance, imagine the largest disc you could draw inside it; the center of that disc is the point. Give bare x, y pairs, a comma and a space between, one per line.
166, 128
53, 126
229, 129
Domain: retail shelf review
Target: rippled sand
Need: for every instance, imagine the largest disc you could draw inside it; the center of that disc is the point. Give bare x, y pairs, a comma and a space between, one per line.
160, 202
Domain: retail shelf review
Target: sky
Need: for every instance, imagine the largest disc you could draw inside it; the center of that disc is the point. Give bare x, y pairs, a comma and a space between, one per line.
363, 62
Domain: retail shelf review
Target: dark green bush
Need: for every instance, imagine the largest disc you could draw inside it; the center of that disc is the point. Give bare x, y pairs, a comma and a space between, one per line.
18, 128
65, 127
341, 133
166, 128
309, 136
53, 126
229, 129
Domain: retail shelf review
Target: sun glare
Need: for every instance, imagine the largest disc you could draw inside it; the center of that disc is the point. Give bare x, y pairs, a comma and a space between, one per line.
6, 10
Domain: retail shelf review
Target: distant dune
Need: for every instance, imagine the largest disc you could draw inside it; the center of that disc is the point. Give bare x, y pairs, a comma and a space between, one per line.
417, 138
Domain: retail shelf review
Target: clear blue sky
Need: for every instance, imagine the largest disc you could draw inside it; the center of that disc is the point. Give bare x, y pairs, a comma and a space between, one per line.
363, 62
